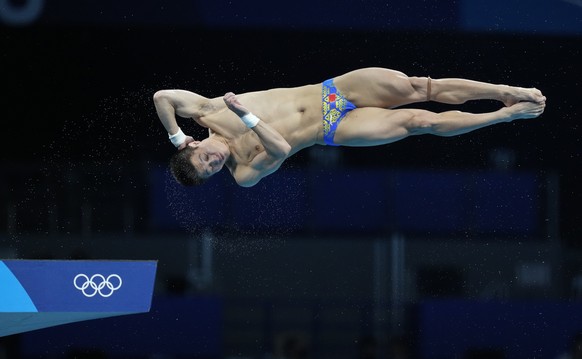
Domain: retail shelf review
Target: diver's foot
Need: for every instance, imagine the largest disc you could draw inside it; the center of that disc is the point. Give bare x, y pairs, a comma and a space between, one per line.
514, 95
525, 110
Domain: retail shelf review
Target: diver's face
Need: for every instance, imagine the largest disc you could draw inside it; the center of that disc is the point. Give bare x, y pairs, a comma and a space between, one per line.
208, 157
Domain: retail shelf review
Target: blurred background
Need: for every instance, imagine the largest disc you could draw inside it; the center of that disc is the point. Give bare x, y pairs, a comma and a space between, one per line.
432, 248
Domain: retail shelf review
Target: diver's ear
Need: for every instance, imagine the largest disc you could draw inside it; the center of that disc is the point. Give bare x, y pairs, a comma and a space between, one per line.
193, 144
187, 141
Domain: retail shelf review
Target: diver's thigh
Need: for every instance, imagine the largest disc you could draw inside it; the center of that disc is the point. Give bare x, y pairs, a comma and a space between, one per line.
373, 126
376, 87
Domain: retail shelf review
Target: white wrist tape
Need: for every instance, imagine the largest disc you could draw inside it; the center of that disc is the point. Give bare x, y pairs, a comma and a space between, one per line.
178, 138
250, 120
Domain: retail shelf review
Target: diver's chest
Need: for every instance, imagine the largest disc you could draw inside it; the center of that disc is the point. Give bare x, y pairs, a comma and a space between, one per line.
249, 146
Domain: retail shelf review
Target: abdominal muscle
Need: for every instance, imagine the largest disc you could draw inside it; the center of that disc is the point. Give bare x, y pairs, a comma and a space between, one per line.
294, 112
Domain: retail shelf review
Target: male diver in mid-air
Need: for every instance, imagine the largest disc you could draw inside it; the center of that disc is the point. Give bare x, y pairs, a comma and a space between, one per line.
358, 108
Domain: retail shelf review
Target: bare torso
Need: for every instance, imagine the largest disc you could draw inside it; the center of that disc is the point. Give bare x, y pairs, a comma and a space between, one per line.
294, 112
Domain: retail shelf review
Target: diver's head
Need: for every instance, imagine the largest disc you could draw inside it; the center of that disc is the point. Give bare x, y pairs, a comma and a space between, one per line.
198, 161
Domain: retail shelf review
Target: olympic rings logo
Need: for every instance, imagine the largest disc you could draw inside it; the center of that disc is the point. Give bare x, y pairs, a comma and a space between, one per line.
97, 283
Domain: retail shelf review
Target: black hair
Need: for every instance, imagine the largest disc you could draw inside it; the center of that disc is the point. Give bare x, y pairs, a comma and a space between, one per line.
183, 170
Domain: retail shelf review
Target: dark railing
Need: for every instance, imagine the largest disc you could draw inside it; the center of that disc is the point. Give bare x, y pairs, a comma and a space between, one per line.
144, 199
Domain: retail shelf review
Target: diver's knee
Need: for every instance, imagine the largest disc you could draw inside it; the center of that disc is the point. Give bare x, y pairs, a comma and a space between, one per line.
423, 122
422, 87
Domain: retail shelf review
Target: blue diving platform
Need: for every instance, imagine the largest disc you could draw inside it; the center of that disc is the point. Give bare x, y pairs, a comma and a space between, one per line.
36, 294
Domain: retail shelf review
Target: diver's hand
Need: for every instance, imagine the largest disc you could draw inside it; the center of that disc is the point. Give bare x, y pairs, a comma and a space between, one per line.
186, 142
234, 105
